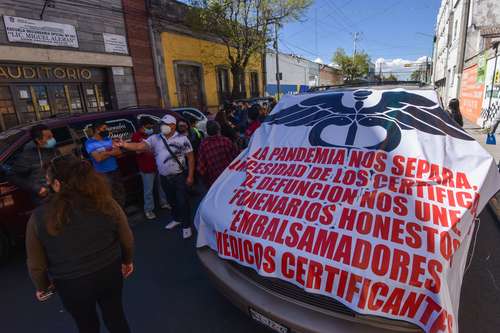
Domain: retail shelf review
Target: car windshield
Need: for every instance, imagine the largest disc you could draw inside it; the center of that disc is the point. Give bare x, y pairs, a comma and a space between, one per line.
7, 138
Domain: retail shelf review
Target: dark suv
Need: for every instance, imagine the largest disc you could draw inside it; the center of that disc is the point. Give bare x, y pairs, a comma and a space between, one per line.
70, 132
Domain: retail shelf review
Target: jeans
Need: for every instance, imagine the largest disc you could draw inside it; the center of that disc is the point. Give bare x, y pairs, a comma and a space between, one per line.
177, 194
117, 188
104, 288
148, 183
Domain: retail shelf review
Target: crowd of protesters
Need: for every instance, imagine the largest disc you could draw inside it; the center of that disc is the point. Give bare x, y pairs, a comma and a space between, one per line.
78, 238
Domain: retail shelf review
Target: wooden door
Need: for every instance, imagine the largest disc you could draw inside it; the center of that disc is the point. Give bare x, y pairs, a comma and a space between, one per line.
189, 85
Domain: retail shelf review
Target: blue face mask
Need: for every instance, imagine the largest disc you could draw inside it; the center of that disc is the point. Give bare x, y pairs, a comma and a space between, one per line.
148, 131
51, 143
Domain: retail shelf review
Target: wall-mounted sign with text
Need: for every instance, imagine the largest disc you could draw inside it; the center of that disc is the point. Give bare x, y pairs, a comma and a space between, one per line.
40, 32
46, 73
115, 43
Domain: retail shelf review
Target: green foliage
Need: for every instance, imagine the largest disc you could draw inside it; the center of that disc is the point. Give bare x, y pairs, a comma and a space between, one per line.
390, 77
243, 26
416, 75
352, 67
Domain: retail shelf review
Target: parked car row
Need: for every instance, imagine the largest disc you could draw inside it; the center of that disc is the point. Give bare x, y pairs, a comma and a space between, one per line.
70, 133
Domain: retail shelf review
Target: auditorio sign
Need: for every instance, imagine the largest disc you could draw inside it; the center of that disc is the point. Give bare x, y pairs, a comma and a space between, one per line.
368, 197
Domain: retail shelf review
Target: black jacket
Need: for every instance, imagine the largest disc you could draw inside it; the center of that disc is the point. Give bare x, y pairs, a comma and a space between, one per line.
27, 169
89, 242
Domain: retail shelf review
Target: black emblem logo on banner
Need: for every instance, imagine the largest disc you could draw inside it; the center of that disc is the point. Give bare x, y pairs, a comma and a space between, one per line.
397, 111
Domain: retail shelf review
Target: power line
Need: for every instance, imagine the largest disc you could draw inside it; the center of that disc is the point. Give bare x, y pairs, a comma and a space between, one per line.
394, 48
342, 14
341, 23
346, 4
338, 24
356, 37
329, 28
382, 12
316, 31
298, 47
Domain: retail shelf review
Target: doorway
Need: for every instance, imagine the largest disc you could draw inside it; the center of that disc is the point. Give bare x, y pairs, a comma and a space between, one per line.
189, 85
8, 116
26, 103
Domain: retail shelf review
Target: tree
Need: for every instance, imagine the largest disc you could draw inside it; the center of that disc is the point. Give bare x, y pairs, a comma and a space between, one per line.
416, 75
243, 26
391, 77
352, 67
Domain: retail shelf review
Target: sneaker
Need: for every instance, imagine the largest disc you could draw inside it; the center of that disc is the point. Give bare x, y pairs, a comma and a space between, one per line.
172, 225
150, 215
186, 233
166, 205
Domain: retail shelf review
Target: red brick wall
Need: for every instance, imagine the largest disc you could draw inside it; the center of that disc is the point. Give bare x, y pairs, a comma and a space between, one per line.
136, 21
329, 76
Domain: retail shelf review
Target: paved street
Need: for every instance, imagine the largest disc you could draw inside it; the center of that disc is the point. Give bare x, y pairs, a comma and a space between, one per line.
169, 292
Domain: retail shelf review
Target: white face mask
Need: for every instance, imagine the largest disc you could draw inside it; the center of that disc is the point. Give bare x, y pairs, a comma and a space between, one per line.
165, 129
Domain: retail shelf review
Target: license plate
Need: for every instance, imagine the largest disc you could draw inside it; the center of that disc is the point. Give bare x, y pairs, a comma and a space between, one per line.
267, 322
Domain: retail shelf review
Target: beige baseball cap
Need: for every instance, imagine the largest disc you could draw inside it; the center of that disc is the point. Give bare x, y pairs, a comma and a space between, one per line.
169, 120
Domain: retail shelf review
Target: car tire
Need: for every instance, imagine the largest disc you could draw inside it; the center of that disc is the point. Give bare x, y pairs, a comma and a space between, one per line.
4, 247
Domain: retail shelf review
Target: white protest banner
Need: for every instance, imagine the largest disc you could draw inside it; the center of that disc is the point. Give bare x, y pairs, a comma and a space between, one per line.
40, 32
366, 196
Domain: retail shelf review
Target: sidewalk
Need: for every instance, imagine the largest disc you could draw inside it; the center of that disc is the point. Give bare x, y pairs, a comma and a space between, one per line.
480, 136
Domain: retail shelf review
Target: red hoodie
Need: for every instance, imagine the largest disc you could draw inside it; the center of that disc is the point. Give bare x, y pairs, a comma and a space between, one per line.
254, 125
146, 160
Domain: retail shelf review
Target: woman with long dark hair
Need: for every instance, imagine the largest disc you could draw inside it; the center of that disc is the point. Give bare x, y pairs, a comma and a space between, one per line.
454, 110
227, 129
80, 244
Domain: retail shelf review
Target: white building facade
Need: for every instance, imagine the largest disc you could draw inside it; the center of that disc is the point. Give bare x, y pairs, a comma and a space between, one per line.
297, 74
448, 47
466, 58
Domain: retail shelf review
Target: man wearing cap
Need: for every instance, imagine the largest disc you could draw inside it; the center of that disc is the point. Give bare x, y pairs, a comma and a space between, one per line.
171, 151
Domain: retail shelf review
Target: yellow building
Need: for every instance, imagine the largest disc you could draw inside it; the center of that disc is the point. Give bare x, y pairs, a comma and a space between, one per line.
198, 75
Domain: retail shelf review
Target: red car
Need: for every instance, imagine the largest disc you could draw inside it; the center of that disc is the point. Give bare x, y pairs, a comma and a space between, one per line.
70, 132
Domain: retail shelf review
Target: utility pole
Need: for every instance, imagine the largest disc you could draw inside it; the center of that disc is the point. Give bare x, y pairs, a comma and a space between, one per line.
356, 37
316, 32
426, 68
380, 72
276, 25
463, 43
